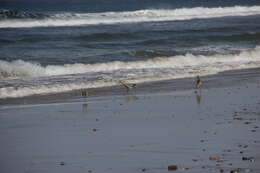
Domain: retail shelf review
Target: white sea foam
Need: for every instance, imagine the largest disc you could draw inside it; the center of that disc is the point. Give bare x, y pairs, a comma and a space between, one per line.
149, 70
13, 92
69, 19
20, 68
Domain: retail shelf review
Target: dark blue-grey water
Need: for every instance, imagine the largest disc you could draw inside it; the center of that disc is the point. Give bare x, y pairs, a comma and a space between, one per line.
56, 46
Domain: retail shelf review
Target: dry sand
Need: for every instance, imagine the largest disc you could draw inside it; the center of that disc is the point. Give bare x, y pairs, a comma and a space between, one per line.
214, 130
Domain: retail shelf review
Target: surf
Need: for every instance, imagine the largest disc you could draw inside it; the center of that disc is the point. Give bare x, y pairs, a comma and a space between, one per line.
23, 20
20, 68
20, 78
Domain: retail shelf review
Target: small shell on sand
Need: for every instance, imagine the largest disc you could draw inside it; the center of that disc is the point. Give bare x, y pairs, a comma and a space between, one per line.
172, 167
214, 158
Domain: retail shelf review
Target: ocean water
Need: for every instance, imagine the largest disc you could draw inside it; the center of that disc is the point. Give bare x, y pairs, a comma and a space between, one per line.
48, 47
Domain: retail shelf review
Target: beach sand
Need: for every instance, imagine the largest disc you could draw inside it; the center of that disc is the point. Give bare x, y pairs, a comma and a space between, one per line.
148, 129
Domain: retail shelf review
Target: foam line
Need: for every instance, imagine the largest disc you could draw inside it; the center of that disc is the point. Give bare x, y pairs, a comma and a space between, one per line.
141, 71
20, 68
149, 15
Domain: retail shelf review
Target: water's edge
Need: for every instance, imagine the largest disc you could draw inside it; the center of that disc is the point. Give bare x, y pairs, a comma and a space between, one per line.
231, 78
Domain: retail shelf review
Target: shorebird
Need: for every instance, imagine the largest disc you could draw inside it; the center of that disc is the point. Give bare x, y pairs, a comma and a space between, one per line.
198, 82
84, 93
127, 85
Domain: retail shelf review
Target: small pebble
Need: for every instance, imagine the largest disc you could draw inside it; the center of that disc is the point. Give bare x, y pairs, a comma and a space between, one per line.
214, 158
172, 168
94, 130
234, 171
248, 158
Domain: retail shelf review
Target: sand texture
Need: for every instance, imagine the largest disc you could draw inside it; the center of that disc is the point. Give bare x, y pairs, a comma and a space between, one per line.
163, 129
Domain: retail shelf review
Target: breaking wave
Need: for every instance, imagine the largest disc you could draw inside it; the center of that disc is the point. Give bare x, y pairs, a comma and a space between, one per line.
20, 68
78, 76
15, 19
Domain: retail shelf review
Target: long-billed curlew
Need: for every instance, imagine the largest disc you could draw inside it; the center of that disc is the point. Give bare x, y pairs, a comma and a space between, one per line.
127, 85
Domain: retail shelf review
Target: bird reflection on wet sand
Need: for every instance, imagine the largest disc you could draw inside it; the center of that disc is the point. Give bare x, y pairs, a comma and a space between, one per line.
131, 98
198, 98
84, 107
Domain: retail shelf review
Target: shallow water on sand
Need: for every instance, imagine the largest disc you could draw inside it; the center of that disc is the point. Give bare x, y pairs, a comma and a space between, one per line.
133, 133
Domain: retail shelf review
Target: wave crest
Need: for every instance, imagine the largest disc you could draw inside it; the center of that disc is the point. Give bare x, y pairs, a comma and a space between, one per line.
150, 15
20, 68
15, 14
108, 73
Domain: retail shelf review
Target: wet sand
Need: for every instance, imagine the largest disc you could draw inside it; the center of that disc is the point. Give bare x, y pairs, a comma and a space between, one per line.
146, 130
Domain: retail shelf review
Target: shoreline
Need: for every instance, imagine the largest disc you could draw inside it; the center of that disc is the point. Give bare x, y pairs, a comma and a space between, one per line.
168, 126
221, 79
66, 69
